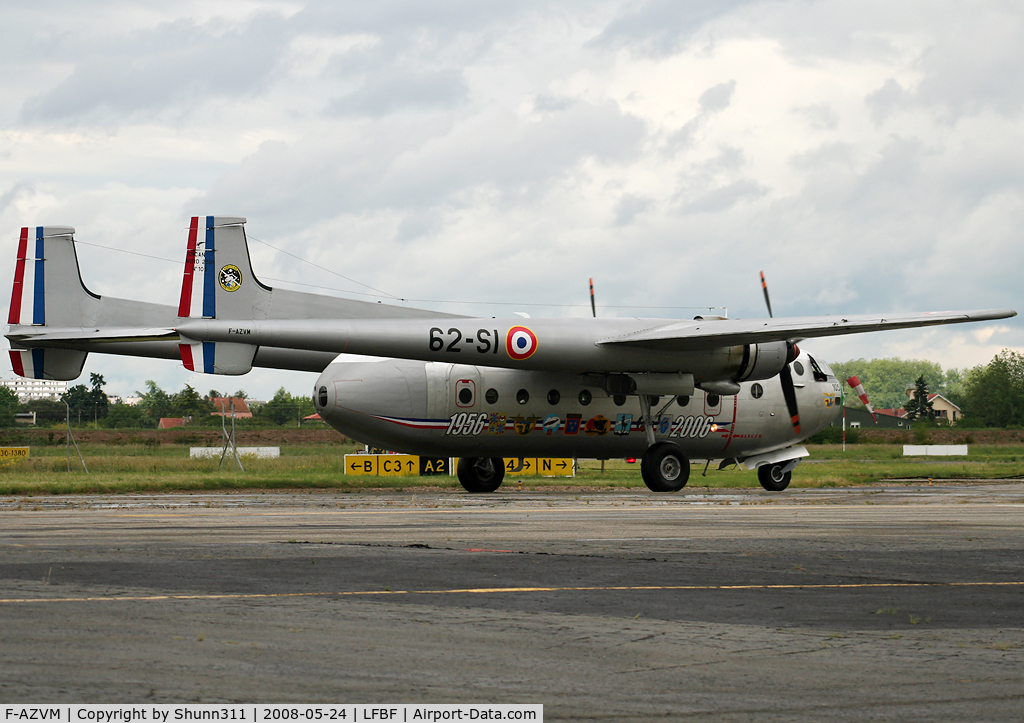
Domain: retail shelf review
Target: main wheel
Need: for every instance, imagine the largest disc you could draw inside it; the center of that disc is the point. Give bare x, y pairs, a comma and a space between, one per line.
772, 478
665, 468
481, 474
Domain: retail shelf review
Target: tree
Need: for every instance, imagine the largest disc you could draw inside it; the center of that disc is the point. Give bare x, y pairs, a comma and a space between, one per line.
886, 380
188, 404
156, 403
78, 398
9, 404
127, 416
99, 397
994, 394
90, 402
285, 408
919, 406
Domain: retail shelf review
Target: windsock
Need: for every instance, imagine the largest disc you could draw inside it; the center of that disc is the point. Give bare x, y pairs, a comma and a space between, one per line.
858, 389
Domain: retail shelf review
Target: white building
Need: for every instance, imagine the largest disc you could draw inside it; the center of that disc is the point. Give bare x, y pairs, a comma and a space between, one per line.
28, 389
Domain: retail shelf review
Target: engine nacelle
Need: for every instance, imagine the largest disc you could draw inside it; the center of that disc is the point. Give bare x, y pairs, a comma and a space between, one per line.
764, 361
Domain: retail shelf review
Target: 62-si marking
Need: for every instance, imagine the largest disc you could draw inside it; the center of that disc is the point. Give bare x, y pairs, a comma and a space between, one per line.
486, 340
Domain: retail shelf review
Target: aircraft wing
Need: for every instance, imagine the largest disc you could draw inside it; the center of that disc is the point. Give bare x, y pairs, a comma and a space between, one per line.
711, 333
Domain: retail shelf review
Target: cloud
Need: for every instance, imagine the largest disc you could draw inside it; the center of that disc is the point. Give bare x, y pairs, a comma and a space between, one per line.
175, 65
403, 90
867, 157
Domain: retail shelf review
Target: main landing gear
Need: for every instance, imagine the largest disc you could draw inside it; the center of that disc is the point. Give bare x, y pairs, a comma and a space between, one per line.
481, 474
775, 477
665, 467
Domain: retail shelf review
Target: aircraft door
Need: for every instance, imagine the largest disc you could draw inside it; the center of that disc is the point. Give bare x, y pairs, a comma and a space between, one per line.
437, 389
464, 393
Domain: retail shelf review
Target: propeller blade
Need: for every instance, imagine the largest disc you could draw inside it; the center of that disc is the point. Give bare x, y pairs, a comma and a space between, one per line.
764, 287
593, 308
789, 393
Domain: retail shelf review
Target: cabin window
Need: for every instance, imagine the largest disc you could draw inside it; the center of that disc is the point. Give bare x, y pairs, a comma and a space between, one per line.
554, 397
321, 396
522, 396
654, 400
756, 390
619, 399
713, 400
585, 397
491, 395
682, 400
466, 397
798, 368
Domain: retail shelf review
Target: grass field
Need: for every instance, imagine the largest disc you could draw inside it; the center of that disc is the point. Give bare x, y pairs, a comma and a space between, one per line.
129, 468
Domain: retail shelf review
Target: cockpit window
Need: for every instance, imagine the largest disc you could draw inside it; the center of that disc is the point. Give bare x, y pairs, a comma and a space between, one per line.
821, 371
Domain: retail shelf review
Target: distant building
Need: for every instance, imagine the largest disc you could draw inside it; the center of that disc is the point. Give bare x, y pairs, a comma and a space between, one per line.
170, 422
231, 406
30, 389
943, 409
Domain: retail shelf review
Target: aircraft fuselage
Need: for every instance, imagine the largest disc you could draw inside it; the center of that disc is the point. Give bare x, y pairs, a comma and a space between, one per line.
440, 409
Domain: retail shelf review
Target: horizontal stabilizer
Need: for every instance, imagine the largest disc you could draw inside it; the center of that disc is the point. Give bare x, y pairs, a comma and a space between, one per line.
59, 364
211, 357
42, 335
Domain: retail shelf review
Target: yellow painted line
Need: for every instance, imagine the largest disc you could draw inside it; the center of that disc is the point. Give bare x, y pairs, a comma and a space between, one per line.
501, 590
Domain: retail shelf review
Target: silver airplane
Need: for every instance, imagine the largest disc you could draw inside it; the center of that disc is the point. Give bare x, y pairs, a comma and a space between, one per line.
669, 392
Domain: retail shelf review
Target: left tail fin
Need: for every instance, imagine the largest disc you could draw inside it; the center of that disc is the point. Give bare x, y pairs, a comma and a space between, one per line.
47, 260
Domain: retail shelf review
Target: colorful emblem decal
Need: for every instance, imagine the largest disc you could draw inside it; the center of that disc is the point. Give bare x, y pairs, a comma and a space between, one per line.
520, 343
230, 278
497, 424
572, 423
524, 425
597, 425
623, 423
551, 424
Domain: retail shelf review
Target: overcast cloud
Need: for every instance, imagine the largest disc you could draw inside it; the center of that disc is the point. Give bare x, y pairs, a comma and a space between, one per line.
867, 156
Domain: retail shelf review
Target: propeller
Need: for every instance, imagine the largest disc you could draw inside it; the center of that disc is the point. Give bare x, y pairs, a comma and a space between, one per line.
786, 375
764, 288
593, 308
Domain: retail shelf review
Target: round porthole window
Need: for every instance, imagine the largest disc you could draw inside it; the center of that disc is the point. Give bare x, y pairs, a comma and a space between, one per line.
491, 395
554, 396
756, 390
585, 397
798, 368
522, 396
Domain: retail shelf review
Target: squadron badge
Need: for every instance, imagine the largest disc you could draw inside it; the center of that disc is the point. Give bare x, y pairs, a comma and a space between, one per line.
230, 278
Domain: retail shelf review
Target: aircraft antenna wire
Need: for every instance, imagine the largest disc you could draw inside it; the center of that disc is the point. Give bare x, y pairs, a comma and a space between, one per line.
384, 294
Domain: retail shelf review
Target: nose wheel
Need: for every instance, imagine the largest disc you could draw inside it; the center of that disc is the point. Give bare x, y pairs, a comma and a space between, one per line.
665, 468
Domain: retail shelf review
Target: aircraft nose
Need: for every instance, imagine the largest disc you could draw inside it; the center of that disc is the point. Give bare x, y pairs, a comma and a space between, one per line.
392, 388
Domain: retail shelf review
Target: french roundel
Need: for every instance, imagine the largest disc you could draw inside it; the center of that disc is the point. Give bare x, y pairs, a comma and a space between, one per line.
520, 343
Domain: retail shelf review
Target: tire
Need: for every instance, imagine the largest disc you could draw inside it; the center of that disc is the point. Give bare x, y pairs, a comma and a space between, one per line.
481, 474
665, 468
772, 478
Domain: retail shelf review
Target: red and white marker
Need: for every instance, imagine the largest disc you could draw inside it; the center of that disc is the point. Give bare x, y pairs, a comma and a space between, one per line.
858, 389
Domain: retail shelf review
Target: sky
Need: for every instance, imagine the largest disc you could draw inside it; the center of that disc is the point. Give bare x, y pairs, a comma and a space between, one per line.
487, 158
